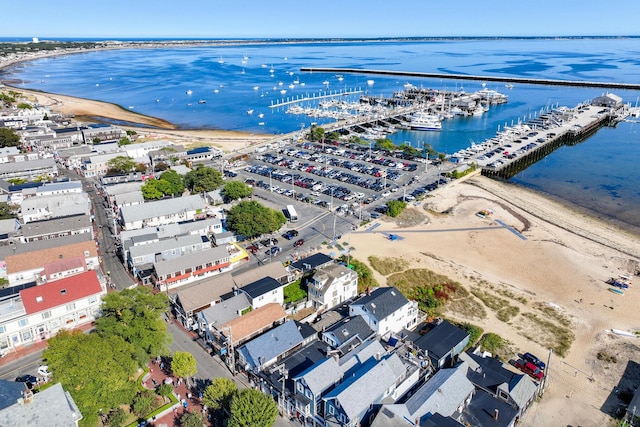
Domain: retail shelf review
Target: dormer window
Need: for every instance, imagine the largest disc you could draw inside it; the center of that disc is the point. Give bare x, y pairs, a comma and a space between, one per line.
63, 291
38, 299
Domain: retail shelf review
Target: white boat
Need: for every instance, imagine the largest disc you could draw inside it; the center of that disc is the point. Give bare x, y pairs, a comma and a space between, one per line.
370, 82
249, 112
283, 91
271, 70
202, 101
256, 87
509, 86
260, 123
216, 91
189, 92
291, 86
221, 61
340, 78
264, 65
326, 82
245, 58
425, 121
261, 115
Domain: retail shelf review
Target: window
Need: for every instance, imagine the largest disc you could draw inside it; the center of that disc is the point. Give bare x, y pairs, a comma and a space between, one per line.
331, 410
299, 387
23, 322
93, 299
71, 307
3, 329
46, 314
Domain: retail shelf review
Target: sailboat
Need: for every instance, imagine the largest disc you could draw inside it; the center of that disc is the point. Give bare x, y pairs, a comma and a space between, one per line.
245, 58
221, 61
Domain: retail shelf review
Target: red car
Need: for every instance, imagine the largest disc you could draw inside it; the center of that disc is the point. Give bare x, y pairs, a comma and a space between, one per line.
298, 243
253, 249
530, 369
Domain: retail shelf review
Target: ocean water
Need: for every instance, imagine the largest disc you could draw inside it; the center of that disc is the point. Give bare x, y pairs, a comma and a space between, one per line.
597, 174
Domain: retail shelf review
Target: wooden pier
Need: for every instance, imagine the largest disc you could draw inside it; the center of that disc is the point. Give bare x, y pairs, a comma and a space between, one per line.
313, 96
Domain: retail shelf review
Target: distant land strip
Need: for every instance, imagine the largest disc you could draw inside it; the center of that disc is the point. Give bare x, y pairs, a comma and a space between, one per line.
525, 80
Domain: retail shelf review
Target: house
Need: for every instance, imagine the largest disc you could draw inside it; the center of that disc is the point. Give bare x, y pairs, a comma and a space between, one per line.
243, 328
264, 291
312, 384
156, 250
29, 170
217, 315
52, 406
272, 346
161, 212
608, 100
128, 199
274, 270
97, 133
9, 228
331, 285
96, 165
39, 312
189, 300
11, 392
386, 311
484, 410
446, 393
347, 332
310, 263
492, 376
442, 343
143, 149
174, 272
356, 400
29, 267
57, 227
56, 188
55, 206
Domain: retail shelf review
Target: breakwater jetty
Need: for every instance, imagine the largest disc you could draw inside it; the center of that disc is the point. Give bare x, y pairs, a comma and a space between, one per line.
524, 80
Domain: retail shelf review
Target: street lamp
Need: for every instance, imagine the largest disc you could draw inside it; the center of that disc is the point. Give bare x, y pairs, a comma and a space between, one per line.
270, 182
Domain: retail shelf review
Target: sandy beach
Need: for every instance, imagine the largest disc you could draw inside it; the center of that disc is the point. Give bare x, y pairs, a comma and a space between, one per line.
551, 256
560, 261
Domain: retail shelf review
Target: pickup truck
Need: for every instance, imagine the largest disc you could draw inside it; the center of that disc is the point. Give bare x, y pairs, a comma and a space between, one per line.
530, 369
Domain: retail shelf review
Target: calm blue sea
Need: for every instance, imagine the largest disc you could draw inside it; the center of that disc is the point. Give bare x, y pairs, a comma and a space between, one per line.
599, 174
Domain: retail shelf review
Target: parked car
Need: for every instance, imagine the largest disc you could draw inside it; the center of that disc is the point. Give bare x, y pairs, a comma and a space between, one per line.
290, 234
530, 369
27, 379
253, 249
528, 357
298, 243
43, 371
273, 251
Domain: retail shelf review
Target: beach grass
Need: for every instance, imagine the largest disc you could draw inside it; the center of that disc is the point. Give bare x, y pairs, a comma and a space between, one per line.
386, 266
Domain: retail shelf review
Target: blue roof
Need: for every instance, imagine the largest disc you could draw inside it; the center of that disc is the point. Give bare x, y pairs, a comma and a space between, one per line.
199, 150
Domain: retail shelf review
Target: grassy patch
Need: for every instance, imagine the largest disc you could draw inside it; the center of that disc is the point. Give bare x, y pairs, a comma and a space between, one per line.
606, 357
504, 311
496, 345
294, 292
386, 266
507, 313
548, 333
475, 332
467, 308
365, 275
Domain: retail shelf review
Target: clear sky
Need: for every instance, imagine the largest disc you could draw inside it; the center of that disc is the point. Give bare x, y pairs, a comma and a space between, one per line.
314, 18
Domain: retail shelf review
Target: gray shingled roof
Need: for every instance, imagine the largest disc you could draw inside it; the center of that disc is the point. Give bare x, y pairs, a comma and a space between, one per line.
349, 328
382, 302
52, 407
440, 340
39, 245
197, 258
56, 225
160, 208
165, 245
271, 344
195, 295
222, 313
261, 287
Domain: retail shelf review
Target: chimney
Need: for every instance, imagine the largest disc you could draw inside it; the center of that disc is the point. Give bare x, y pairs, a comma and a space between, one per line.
417, 422
495, 414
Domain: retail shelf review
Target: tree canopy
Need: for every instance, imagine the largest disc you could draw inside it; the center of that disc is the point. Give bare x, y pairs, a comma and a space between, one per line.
203, 179
169, 184
252, 408
219, 394
250, 218
316, 133
184, 364
192, 419
8, 138
123, 164
96, 370
396, 207
136, 316
6, 211
234, 190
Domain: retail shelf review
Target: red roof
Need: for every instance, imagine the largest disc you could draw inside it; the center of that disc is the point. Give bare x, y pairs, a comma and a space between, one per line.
63, 291
212, 268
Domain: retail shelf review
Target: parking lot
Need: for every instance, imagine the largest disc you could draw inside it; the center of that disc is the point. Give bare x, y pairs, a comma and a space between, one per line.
350, 179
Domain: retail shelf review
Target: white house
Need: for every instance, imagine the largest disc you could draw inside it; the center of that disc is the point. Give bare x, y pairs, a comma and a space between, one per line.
39, 312
386, 311
162, 212
332, 285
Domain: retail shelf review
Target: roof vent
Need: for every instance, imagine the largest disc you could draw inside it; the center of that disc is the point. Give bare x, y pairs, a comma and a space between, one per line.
38, 299
393, 293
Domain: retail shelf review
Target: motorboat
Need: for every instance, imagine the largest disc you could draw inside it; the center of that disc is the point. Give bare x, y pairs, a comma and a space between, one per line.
189, 92
202, 101
425, 121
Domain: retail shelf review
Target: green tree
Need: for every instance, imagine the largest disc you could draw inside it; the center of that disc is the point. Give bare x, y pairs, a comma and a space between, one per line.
136, 316
176, 184
95, 370
165, 391
192, 419
151, 190
219, 394
6, 211
120, 165
250, 218
316, 133
365, 275
234, 190
8, 138
143, 403
124, 141
251, 408
203, 179
184, 364
396, 207
117, 418
24, 106
385, 144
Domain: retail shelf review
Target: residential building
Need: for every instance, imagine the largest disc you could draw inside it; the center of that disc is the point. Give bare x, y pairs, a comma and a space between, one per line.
310, 263
143, 256
174, 272
57, 206
189, 300
274, 270
243, 328
274, 345
264, 291
57, 227
29, 169
443, 343
96, 165
52, 406
39, 312
332, 285
348, 332
386, 311
98, 133
161, 212
29, 267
